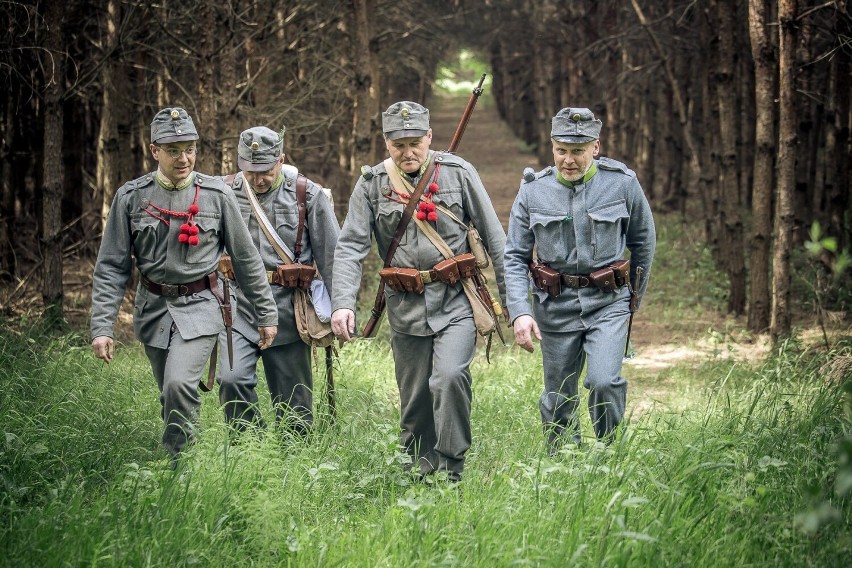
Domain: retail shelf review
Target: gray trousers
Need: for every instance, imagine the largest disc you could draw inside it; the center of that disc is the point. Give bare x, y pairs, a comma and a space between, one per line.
433, 376
178, 372
288, 376
599, 345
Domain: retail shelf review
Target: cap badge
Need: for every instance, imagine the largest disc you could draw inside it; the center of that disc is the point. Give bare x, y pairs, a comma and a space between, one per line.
405, 112
175, 114
576, 117
255, 146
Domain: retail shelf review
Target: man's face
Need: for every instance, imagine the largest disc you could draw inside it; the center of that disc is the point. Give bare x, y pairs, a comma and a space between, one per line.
572, 160
409, 153
176, 159
261, 182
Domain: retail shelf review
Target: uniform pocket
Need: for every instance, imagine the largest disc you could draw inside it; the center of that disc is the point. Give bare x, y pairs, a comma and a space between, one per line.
549, 227
388, 214
209, 235
608, 229
286, 222
146, 234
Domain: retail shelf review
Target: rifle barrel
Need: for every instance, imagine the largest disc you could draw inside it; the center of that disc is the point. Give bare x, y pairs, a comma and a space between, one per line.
454, 143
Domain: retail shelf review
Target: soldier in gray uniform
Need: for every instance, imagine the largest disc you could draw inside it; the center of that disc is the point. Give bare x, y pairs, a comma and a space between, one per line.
432, 333
287, 363
580, 215
175, 223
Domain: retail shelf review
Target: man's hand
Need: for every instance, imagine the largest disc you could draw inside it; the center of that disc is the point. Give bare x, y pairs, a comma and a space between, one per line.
267, 334
525, 327
104, 347
343, 323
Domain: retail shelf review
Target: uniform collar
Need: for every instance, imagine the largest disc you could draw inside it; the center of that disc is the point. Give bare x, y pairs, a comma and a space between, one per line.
593, 169
163, 182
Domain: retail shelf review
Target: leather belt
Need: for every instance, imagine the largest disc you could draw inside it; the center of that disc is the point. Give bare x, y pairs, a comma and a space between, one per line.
575, 280
175, 290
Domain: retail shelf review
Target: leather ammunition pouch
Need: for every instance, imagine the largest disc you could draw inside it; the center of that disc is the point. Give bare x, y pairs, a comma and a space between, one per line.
604, 279
455, 268
621, 269
402, 279
293, 276
546, 278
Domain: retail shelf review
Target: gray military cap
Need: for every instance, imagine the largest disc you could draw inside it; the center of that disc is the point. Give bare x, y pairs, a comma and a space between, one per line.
172, 125
575, 126
259, 149
405, 119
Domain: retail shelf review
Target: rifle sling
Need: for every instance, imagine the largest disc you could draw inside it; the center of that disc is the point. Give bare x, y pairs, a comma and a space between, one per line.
408, 212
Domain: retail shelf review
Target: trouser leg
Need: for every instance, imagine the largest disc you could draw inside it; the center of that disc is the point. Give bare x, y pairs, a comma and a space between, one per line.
604, 346
290, 381
562, 359
178, 372
237, 387
412, 357
433, 375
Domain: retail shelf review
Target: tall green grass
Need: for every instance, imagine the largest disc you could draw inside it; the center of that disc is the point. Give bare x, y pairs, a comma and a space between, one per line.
734, 474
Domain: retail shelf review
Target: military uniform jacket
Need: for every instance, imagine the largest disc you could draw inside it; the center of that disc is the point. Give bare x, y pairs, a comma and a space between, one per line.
577, 230
162, 259
372, 212
319, 238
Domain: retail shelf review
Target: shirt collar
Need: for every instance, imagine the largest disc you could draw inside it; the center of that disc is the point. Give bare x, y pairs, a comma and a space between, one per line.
163, 182
590, 173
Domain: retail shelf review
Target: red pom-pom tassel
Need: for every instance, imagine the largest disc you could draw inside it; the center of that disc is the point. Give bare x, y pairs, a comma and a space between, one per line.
193, 230
421, 215
183, 237
193, 241
433, 187
193, 209
184, 228
432, 216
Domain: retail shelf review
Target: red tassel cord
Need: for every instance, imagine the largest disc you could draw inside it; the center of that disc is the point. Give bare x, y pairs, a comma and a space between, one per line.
188, 230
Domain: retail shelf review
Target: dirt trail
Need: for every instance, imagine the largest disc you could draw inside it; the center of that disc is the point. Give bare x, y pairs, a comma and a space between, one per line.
488, 144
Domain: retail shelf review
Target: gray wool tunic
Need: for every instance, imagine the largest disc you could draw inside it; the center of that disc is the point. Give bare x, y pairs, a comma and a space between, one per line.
576, 230
318, 241
372, 213
131, 233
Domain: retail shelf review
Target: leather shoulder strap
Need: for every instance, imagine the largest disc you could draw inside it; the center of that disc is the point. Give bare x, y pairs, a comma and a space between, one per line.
408, 212
301, 204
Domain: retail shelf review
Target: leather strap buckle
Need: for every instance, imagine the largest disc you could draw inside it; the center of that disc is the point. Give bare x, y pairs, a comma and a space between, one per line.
172, 290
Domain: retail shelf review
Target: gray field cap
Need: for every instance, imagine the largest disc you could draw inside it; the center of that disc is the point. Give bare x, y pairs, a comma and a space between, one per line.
575, 126
405, 119
259, 148
172, 125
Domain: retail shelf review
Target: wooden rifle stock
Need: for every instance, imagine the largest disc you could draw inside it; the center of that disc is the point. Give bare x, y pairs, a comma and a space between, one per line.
379, 305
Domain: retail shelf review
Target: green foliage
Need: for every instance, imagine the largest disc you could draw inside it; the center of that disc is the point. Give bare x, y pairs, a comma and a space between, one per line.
741, 465
461, 74
685, 282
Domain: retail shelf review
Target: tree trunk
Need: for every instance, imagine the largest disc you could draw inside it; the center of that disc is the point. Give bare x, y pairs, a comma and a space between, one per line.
205, 122
53, 170
780, 321
731, 224
761, 224
108, 175
365, 119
